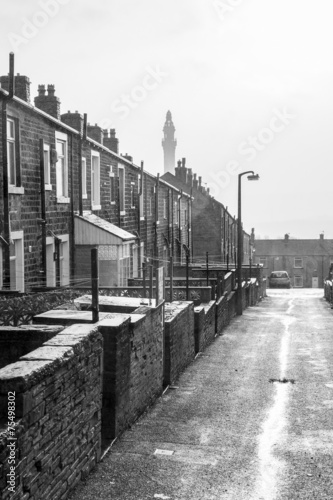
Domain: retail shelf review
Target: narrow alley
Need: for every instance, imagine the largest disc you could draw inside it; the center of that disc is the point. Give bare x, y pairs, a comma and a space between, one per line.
251, 418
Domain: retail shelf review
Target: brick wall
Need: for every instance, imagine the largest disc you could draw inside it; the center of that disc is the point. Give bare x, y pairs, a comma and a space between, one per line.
16, 342
179, 347
133, 366
58, 403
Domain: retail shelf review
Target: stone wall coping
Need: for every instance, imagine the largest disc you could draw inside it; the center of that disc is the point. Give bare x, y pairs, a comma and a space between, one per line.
49, 353
172, 309
116, 301
34, 367
209, 305
198, 309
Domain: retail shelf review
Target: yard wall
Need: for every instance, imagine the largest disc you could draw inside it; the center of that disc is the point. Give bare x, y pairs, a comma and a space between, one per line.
16, 342
179, 345
58, 400
133, 366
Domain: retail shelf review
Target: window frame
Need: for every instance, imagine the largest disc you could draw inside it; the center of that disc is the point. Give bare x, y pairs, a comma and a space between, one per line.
15, 141
295, 281
47, 167
112, 186
298, 266
95, 181
121, 178
84, 177
62, 169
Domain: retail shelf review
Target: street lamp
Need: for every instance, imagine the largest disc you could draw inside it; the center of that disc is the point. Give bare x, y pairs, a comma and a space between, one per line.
251, 177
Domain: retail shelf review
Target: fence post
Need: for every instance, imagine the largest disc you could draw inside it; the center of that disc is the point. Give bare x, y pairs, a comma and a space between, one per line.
150, 283
94, 285
171, 278
144, 279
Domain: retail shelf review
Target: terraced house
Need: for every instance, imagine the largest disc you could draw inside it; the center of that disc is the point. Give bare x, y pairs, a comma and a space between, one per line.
65, 189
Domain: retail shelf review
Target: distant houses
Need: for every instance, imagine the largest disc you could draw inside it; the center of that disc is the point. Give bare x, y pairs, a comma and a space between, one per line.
306, 261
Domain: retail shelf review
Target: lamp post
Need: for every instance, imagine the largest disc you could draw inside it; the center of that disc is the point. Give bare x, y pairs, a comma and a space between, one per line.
251, 177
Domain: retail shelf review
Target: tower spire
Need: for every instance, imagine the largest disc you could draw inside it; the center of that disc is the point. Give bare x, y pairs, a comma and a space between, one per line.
169, 144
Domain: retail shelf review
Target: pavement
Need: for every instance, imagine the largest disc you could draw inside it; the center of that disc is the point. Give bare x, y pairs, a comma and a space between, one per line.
251, 418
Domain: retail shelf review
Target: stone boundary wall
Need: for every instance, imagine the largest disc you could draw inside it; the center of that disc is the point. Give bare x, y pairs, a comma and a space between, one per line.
58, 414
179, 346
133, 366
18, 341
205, 325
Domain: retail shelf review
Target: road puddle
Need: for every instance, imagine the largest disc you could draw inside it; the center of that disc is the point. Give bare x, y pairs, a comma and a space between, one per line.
271, 467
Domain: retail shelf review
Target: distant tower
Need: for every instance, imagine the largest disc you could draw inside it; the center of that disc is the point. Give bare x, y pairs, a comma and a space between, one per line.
169, 144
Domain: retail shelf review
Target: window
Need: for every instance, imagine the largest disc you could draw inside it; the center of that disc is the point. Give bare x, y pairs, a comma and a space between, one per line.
175, 212
112, 186
95, 181
298, 263
165, 211
13, 157
121, 190
84, 178
11, 151
62, 168
132, 194
16, 259
298, 281
47, 167
263, 261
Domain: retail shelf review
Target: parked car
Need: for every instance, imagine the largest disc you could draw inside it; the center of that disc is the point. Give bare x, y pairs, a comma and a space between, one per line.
279, 279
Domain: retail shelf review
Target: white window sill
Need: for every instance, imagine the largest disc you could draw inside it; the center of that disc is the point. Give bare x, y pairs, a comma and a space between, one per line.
122, 212
15, 189
63, 199
142, 218
48, 187
96, 207
112, 202
84, 196
133, 207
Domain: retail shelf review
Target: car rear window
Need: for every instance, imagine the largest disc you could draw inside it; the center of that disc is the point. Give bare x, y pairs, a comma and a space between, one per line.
280, 274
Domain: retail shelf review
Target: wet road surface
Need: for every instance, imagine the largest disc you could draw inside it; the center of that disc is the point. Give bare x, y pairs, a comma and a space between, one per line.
251, 418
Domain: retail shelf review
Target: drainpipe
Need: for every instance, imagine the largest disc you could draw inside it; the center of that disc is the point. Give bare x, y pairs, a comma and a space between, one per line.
179, 224
72, 247
156, 220
191, 208
43, 209
139, 218
6, 221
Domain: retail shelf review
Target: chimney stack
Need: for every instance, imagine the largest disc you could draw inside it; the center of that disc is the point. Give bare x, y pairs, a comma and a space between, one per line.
74, 120
48, 103
286, 237
111, 141
321, 236
22, 86
95, 132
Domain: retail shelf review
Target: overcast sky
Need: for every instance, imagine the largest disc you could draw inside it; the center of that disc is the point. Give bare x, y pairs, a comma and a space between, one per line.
249, 84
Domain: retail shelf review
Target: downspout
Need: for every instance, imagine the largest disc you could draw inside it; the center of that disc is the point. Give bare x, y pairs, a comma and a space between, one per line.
72, 246
139, 219
156, 220
191, 206
43, 208
179, 225
6, 222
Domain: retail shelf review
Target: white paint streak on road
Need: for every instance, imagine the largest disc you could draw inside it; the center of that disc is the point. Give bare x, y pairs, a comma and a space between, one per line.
270, 467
